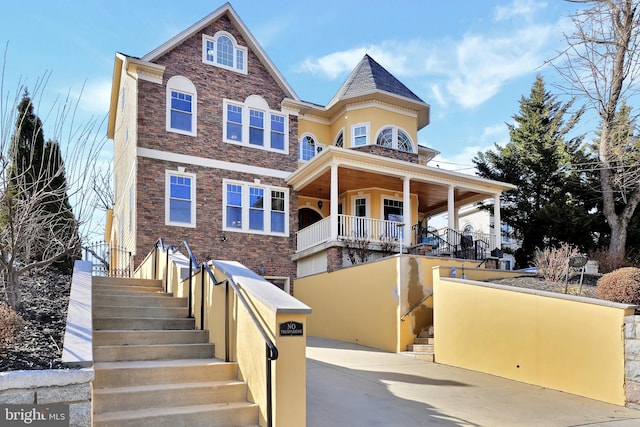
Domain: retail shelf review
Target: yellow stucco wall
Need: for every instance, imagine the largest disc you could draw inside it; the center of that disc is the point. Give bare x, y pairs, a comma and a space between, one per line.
559, 342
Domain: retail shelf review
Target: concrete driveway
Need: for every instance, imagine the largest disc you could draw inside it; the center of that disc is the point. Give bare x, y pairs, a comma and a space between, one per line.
355, 386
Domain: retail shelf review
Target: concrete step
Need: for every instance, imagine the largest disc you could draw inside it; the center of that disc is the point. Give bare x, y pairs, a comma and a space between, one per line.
167, 395
118, 337
428, 357
114, 353
212, 415
424, 348
155, 372
126, 288
142, 323
129, 300
149, 312
125, 281
429, 341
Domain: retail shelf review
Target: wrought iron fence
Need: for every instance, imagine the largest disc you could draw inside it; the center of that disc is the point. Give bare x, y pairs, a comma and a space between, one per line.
108, 260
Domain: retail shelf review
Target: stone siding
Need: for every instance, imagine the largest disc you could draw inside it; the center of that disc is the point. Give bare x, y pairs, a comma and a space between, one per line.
632, 360
72, 387
213, 85
389, 153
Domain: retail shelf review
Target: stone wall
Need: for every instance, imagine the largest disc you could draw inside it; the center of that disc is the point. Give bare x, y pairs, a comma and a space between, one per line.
72, 387
632, 360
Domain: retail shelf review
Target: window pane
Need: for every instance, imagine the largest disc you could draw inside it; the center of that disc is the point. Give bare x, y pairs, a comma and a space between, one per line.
256, 127
234, 217
277, 132
385, 138
340, 140
404, 142
180, 187
180, 211
360, 135
181, 111
210, 51
234, 195
308, 148
277, 222
225, 51
234, 122
256, 212
239, 59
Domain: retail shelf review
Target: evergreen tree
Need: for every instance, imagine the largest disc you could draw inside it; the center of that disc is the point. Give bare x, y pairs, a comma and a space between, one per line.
552, 202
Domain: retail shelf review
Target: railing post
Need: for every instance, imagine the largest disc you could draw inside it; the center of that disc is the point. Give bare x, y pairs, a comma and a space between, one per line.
226, 321
166, 272
269, 387
201, 296
190, 287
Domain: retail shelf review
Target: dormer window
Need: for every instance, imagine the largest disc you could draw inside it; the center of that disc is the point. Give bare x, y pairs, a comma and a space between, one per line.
223, 51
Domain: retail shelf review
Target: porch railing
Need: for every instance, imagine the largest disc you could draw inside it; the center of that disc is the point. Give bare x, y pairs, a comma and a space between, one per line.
349, 227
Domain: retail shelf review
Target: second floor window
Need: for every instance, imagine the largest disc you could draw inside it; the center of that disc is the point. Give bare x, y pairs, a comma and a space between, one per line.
393, 137
252, 123
255, 208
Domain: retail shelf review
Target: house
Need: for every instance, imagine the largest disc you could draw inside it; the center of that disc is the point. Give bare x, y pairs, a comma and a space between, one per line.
213, 146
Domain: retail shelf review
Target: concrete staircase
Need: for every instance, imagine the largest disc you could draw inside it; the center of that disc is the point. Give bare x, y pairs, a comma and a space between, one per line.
152, 368
422, 347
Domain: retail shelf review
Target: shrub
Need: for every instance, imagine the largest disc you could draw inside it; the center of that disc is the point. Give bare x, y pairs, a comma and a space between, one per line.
608, 262
552, 263
622, 285
10, 324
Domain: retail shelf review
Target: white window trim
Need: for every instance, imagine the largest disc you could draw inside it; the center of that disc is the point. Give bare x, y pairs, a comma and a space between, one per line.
388, 197
245, 208
255, 102
335, 140
167, 194
353, 134
317, 149
367, 198
394, 138
184, 85
236, 48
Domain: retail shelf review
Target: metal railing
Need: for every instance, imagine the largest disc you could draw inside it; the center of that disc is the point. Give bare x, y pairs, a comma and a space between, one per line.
415, 306
108, 260
271, 350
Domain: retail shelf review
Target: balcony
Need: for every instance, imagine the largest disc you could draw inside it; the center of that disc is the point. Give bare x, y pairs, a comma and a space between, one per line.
442, 242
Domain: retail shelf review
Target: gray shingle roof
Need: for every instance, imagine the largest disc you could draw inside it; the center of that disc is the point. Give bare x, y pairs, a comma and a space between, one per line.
369, 76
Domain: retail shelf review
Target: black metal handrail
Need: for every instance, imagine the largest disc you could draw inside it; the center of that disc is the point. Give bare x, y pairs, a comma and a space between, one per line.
271, 351
414, 307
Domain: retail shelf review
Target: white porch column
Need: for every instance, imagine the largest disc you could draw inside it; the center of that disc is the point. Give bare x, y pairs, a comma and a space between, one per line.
333, 207
406, 210
451, 211
497, 221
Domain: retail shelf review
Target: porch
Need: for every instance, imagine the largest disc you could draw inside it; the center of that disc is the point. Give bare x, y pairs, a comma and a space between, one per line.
389, 236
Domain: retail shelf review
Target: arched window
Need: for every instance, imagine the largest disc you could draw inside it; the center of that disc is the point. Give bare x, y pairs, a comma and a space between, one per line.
223, 51
340, 139
385, 138
307, 148
394, 137
182, 103
404, 142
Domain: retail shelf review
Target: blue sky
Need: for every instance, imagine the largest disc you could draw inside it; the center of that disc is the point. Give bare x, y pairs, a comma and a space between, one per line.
471, 60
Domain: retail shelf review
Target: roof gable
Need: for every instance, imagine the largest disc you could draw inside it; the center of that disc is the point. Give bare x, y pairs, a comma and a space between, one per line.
253, 44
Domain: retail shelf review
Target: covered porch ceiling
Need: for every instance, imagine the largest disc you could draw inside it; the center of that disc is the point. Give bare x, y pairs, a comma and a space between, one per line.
358, 170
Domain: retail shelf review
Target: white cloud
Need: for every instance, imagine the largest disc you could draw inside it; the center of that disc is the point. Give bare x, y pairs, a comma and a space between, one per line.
461, 162
498, 133
95, 97
468, 71
517, 8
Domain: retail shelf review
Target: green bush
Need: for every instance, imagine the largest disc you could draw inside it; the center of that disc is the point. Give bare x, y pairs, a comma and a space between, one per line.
622, 285
10, 324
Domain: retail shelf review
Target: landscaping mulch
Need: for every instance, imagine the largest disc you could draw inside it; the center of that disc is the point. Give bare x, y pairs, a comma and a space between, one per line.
38, 345
589, 282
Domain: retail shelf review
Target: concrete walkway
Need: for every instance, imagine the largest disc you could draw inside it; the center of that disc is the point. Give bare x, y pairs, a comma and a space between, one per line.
354, 386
